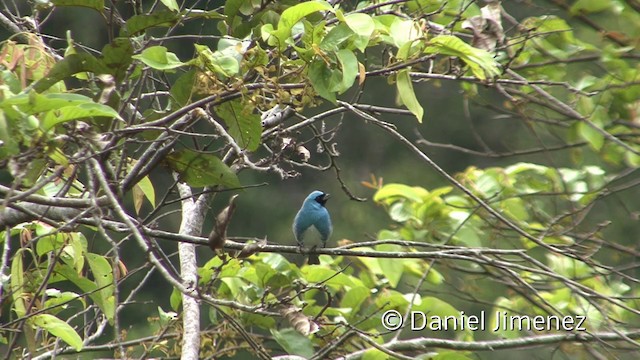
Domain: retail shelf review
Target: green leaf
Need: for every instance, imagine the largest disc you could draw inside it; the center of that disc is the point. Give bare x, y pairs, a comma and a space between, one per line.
68, 113
57, 328
480, 61
394, 191
159, 58
200, 170
292, 15
221, 63
171, 4
293, 342
349, 65
231, 8
354, 297
244, 126
175, 300
139, 23
592, 136
77, 250
450, 355
556, 35
266, 32
147, 189
92, 4
404, 31
58, 301
437, 307
391, 268
70, 65
590, 6
10, 145
117, 56
392, 299
229, 65
335, 38
34, 103
323, 79
51, 242
488, 183
183, 90
10, 78
17, 284
404, 51
276, 261
87, 286
515, 208
435, 277
363, 25
469, 236
318, 274
400, 211
375, 354
407, 95
103, 275
295, 13
235, 286
265, 322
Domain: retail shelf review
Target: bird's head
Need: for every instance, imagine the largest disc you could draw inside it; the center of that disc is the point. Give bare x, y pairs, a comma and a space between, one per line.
317, 198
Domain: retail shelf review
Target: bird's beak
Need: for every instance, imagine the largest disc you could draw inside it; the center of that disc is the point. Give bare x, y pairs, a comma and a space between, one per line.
322, 199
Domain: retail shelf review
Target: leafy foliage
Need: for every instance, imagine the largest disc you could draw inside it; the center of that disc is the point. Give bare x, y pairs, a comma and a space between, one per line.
99, 141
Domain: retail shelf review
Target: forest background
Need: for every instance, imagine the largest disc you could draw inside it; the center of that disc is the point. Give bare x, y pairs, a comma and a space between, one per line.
481, 156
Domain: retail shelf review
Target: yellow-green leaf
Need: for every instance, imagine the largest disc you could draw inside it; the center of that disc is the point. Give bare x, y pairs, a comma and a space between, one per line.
294, 14
144, 188
407, 95
17, 284
171, 4
159, 58
480, 61
57, 328
68, 113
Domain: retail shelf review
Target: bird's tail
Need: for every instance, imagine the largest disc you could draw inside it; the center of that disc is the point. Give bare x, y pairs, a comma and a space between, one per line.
313, 259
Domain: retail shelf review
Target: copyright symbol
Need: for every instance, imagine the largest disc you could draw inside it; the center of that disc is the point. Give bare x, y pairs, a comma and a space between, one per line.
391, 320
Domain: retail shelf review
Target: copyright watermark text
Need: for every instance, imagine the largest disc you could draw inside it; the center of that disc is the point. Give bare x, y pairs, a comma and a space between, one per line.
501, 321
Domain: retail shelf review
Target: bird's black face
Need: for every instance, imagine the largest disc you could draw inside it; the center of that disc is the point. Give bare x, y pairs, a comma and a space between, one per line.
322, 198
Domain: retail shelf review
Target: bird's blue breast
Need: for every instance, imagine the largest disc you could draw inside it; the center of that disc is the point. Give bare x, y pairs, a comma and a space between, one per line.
312, 216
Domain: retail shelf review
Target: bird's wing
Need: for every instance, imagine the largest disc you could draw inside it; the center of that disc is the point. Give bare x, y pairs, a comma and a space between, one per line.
323, 224
300, 224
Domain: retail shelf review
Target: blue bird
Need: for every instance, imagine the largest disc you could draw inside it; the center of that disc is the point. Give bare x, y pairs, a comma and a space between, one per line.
313, 214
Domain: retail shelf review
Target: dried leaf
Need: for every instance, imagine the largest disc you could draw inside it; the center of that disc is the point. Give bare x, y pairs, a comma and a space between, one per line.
304, 154
487, 27
362, 73
252, 248
109, 88
299, 321
218, 235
